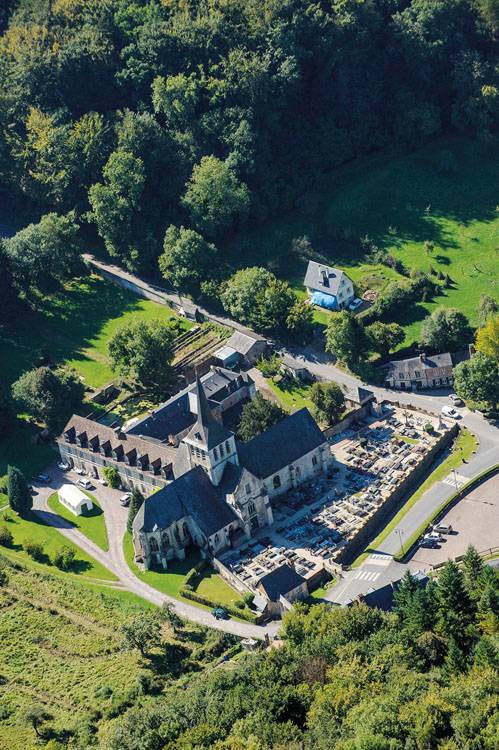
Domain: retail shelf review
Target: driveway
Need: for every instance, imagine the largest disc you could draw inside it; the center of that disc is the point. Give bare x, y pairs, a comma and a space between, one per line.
114, 560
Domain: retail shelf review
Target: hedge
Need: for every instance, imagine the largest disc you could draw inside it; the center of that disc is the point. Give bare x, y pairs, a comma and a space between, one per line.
457, 495
188, 593
193, 573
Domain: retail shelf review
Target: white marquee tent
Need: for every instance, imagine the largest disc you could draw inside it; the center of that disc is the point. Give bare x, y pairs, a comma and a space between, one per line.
74, 499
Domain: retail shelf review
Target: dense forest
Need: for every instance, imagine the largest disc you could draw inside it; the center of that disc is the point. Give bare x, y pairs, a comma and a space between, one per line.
134, 118
422, 678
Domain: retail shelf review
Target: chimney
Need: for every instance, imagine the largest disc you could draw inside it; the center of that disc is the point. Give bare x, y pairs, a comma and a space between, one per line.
324, 275
422, 357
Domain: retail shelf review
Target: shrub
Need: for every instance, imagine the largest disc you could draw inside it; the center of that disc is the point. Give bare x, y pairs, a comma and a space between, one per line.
429, 428
248, 598
3, 582
64, 557
34, 549
112, 477
195, 597
269, 366
6, 538
239, 604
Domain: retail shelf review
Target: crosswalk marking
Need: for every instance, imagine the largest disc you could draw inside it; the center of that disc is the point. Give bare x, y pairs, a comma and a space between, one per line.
367, 575
377, 558
454, 481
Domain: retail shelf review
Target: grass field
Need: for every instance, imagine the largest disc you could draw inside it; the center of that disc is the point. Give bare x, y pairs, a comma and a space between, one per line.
399, 201
292, 396
92, 524
462, 450
62, 649
50, 538
74, 327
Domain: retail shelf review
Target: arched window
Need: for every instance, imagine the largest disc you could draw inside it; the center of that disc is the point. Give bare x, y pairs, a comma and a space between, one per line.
216, 539
276, 481
185, 529
227, 447
314, 460
251, 508
215, 453
153, 545
165, 540
221, 449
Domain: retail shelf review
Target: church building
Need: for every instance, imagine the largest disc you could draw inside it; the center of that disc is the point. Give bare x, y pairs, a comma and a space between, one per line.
222, 489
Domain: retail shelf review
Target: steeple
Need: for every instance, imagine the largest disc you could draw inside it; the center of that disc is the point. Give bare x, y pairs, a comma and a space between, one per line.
207, 431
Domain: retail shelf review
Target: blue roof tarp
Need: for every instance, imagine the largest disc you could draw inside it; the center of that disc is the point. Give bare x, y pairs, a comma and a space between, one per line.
328, 301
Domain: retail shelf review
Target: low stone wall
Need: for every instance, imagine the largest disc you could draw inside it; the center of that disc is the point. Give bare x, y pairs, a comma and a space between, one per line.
230, 577
344, 424
393, 503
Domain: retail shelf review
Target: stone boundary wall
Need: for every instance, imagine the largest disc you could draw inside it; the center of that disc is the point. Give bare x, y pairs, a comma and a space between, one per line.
344, 424
393, 503
230, 577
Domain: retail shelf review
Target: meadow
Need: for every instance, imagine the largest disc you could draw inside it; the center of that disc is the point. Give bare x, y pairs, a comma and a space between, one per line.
92, 523
73, 327
446, 193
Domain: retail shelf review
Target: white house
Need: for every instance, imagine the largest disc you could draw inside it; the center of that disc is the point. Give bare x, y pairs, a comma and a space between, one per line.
74, 499
328, 287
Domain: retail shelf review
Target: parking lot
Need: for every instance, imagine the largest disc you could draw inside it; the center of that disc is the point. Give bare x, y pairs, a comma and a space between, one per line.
474, 520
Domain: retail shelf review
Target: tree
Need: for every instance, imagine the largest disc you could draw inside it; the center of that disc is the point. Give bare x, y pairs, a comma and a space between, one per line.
238, 296
383, 337
446, 329
487, 338
215, 197
6, 538
44, 252
454, 606
64, 557
169, 613
429, 246
300, 322
49, 395
115, 204
257, 416
136, 502
143, 350
473, 567
7, 290
329, 401
187, 260
345, 337
6, 410
35, 716
20, 499
112, 477
272, 307
487, 306
141, 633
477, 379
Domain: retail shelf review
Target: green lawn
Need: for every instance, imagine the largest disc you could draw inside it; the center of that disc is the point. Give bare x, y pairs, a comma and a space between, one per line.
399, 201
92, 525
171, 580
292, 395
51, 539
74, 327
462, 450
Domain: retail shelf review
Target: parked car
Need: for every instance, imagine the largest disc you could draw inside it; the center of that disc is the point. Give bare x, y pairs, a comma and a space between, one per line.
103, 482
355, 304
42, 478
448, 411
219, 613
125, 499
79, 471
85, 483
428, 543
433, 536
442, 528
456, 400
63, 466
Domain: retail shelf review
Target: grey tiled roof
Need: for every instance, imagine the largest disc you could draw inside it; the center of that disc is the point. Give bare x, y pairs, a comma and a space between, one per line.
281, 445
207, 431
193, 495
314, 280
242, 343
280, 582
409, 367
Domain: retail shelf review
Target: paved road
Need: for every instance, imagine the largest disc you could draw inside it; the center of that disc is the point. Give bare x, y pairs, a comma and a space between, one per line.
116, 517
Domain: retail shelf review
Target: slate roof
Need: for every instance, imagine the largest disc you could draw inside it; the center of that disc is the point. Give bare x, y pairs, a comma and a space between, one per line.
230, 478
314, 279
193, 495
123, 443
175, 416
280, 582
243, 343
281, 445
359, 395
408, 367
207, 430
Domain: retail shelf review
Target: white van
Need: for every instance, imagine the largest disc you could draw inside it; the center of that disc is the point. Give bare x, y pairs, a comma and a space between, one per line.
85, 483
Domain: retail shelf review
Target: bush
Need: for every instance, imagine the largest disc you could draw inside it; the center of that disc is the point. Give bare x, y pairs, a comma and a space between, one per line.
248, 598
34, 549
64, 557
269, 366
429, 428
112, 477
239, 604
3, 582
6, 538
195, 597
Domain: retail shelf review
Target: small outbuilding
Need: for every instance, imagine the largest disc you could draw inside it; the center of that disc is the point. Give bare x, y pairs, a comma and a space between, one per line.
250, 348
282, 587
74, 500
227, 356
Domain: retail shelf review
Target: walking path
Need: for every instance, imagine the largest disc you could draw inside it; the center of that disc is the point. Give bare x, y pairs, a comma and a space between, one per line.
114, 559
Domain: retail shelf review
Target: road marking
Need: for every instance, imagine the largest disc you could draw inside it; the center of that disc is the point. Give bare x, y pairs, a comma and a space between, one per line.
367, 575
379, 559
456, 481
